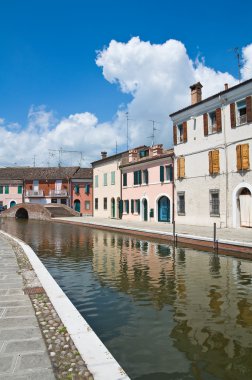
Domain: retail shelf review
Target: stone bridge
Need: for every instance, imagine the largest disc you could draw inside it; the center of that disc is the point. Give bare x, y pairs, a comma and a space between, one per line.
37, 211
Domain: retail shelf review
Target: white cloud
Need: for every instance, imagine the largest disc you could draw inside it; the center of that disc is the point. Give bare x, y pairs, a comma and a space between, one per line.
157, 76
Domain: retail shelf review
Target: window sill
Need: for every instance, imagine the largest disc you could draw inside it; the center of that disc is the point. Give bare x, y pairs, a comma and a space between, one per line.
181, 213
214, 215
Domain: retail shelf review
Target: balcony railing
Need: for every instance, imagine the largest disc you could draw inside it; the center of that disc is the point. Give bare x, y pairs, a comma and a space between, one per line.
242, 119
34, 193
58, 193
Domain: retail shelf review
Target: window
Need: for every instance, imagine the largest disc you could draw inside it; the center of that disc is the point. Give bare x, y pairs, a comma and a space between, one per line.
214, 203
87, 205
214, 162
241, 112
180, 133
1, 189
181, 167
132, 206
161, 173
212, 126
144, 153
137, 204
126, 206
137, 177
20, 189
87, 189
145, 176
112, 178
105, 203
242, 157
105, 179
181, 203
124, 179
96, 181
6, 189
77, 189
96, 203
169, 173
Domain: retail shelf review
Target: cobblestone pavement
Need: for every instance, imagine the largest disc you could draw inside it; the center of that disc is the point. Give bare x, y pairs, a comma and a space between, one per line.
23, 353
243, 235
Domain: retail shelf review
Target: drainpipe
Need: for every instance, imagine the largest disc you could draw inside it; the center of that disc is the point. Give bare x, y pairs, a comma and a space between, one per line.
23, 192
173, 190
223, 101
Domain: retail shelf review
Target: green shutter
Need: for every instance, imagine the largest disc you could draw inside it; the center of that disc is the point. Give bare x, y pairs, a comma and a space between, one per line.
138, 206
132, 206
6, 189
87, 189
1, 189
76, 189
135, 178
161, 174
125, 179
127, 206
120, 207
139, 177
147, 176
20, 189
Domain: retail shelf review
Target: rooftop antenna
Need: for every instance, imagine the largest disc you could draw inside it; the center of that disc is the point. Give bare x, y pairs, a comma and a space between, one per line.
116, 147
127, 131
152, 136
236, 50
34, 160
62, 151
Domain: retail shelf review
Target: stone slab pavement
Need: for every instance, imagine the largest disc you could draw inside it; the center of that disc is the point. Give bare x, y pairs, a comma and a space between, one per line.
23, 354
242, 235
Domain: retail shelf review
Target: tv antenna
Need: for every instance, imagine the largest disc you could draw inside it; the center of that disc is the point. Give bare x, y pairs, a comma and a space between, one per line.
237, 52
152, 136
62, 151
127, 130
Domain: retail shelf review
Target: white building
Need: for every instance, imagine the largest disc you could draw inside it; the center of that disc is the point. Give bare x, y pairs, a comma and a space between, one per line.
212, 148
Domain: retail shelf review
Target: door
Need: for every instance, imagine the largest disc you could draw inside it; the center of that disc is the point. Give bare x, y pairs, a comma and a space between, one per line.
164, 209
77, 205
246, 210
13, 203
145, 210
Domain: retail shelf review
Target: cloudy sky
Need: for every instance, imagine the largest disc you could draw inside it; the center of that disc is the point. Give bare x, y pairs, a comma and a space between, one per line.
70, 70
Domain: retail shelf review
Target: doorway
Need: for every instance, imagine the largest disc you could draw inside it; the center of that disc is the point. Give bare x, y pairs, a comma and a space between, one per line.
164, 209
77, 205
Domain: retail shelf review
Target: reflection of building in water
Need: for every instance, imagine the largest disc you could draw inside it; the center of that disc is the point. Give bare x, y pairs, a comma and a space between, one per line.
214, 315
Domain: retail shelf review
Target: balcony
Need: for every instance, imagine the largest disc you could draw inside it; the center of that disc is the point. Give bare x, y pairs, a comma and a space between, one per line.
242, 119
34, 193
58, 193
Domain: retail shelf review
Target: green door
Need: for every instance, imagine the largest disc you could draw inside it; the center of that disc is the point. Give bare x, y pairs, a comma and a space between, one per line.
77, 205
113, 207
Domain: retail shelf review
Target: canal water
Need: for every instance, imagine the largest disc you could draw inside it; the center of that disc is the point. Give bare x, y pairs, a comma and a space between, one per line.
164, 313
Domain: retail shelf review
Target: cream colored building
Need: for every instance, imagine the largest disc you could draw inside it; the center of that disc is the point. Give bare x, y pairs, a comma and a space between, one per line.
212, 148
107, 186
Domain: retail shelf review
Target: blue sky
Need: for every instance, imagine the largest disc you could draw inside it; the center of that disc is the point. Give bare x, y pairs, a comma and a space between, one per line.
49, 48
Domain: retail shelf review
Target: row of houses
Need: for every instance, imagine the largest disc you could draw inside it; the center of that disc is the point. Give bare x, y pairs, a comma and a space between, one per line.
204, 178
71, 186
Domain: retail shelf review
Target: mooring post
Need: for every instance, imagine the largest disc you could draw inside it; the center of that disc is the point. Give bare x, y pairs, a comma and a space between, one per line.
173, 230
214, 236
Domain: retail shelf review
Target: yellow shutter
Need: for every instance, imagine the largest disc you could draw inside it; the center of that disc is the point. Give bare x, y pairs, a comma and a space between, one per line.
215, 162
245, 156
210, 162
178, 167
182, 167
238, 157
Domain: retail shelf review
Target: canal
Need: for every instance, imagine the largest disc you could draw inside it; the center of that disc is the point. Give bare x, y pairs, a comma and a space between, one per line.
163, 313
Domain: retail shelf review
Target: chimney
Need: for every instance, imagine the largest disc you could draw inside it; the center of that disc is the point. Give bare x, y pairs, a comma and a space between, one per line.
103, 155
226, 86
157, 149
132, 155
196, 95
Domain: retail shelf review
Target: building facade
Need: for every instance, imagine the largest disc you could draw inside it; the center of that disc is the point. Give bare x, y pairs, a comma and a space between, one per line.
212, 147
82, 191
11, 192
107, 186
147, 184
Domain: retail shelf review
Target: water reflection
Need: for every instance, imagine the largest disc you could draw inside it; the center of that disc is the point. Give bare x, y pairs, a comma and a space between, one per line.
164, 313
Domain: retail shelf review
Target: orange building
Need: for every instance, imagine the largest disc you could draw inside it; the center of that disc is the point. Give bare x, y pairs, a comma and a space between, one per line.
82, 191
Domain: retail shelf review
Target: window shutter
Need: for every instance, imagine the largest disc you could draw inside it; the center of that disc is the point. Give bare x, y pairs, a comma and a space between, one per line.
249, 109
161, 173
171, 173
178, 167
215, 161
238, 157
120, 207
210, 162
146, 176
87, 189
175, 135
138, 206
132, 206
184, 131
135, 178
245, 156
127, 206
205, 123
182, 167
139, 177
218, 119
232, 115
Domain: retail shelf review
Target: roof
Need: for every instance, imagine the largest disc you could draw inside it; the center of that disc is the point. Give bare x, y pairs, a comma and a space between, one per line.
83, 173
167, 153
114, 156
212, 97
31, 173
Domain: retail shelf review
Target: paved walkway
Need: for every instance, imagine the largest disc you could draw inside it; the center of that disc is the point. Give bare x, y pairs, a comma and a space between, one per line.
23, 354
242, 235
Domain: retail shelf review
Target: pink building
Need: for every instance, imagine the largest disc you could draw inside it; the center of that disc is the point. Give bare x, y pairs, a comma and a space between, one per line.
11, 192
147, 184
